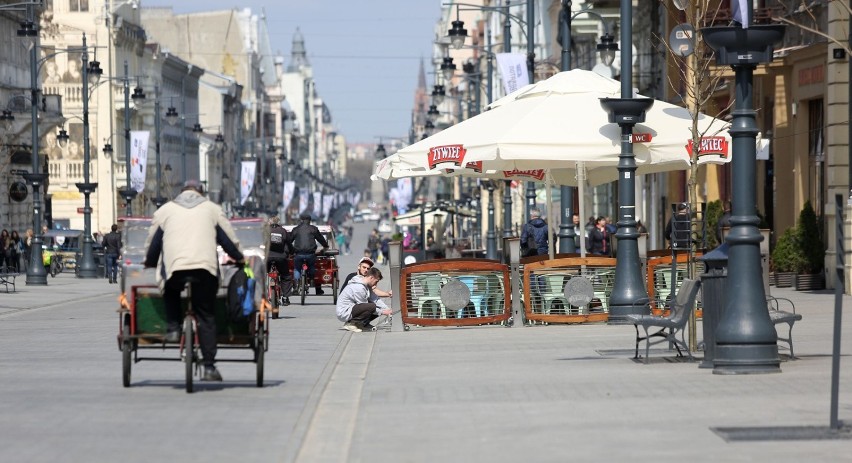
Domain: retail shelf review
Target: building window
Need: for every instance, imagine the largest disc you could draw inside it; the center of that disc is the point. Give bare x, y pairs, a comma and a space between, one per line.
78, 5
816, 154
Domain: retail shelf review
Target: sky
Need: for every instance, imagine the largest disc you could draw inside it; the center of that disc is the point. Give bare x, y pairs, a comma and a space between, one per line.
365, 54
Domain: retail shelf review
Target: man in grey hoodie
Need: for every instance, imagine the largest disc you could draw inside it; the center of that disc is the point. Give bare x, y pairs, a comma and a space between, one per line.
357, 305
182, 239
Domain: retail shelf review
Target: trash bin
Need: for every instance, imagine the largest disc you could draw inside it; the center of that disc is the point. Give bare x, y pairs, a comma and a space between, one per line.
714, 282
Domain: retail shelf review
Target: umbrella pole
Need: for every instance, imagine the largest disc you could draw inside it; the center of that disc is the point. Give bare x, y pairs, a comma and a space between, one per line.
548, 183
581, 189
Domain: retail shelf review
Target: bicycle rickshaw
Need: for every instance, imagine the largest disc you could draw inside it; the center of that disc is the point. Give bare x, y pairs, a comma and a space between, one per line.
325, 271
142, 319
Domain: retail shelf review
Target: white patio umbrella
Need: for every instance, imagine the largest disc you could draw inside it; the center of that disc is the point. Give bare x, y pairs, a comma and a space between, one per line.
559, 125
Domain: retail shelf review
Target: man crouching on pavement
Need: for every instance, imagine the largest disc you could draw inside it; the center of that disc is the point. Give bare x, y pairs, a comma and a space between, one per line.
357, 306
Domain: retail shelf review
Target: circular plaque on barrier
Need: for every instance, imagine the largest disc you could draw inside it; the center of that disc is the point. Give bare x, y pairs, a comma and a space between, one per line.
579, 291
18, 191
455, 295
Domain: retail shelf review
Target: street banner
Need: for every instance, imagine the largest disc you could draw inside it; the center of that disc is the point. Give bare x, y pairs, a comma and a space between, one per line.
741, 12
356, 199
513, 69
406, 191
393, 198
327, 201
289, 189
317, 210
303, 200
138, 159
246, 180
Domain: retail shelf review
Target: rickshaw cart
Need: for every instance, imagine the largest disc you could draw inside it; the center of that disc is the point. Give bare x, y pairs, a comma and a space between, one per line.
142, 327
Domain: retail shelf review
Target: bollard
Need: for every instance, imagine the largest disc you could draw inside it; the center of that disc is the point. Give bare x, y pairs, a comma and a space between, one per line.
395, 251
512, 249
714, 298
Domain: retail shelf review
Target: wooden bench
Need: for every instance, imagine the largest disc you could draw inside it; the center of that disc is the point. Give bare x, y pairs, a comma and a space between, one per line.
8, 279
779, 316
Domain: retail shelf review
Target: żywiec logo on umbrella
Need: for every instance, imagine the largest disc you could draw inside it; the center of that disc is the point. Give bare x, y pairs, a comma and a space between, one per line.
716, 146
537, 174
452, 154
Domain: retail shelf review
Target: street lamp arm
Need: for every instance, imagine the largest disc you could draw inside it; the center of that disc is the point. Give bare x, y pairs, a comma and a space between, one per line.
497, 9
604, 21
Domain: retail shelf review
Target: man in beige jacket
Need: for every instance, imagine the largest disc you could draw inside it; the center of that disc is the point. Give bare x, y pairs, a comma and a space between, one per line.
182, 239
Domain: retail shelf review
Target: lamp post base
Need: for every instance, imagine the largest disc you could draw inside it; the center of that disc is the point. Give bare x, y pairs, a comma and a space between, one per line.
746, 359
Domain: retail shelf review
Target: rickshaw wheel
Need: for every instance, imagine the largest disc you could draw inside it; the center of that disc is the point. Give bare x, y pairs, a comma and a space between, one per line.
126, 348
260, 349
188, 351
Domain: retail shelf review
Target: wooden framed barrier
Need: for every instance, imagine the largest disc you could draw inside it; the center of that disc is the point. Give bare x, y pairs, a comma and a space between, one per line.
543, 289
663, 282
430, 292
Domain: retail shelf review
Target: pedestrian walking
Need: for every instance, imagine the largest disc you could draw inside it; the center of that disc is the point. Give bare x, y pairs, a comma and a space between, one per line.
112, 252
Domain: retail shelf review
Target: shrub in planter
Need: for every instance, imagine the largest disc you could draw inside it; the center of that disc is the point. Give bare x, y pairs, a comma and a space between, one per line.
787, 258
810, 241
712, 216
812, 250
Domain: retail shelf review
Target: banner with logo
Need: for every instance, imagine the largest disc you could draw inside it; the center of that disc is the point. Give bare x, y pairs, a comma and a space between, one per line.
406, 192
317, 210
303, 200
327, 201
138, 158
289, 189
246, 180
513, 70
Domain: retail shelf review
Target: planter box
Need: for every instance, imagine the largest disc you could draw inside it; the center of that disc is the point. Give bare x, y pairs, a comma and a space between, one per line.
808, 282
785, 279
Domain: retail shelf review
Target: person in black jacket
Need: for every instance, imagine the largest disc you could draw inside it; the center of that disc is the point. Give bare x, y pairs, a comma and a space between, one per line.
280, 248
678, 228
304, 240
112, 251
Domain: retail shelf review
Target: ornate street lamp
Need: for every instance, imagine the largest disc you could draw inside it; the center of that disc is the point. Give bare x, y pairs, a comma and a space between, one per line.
87, 266
36, 273
448, 68
626, 112
606, 48
746, 341
438, 94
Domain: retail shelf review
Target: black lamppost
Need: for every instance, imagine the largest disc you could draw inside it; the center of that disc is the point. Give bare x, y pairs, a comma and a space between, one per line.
627, 112
457, 35
159, 200
607, 48
128, 193
36, 273
491, 234
87, 266
746, 341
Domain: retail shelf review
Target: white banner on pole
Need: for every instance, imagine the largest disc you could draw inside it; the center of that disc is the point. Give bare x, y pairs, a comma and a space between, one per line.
327, 201
406, 191
289, 189
303, 200
317, 210
513, 69
246, 180
138, 158
357, 199
741, 12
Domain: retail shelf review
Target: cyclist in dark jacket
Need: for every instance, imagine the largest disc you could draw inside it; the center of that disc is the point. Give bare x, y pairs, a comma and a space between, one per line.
280, 249
304, 240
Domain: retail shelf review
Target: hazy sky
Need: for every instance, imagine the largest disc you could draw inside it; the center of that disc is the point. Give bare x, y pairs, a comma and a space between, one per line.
365, 53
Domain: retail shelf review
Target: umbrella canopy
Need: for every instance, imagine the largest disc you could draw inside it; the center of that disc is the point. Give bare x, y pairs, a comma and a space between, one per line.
556, 123
558, 126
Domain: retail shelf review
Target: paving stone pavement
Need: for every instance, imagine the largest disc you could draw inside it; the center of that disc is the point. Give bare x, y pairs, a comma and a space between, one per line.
542, 393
